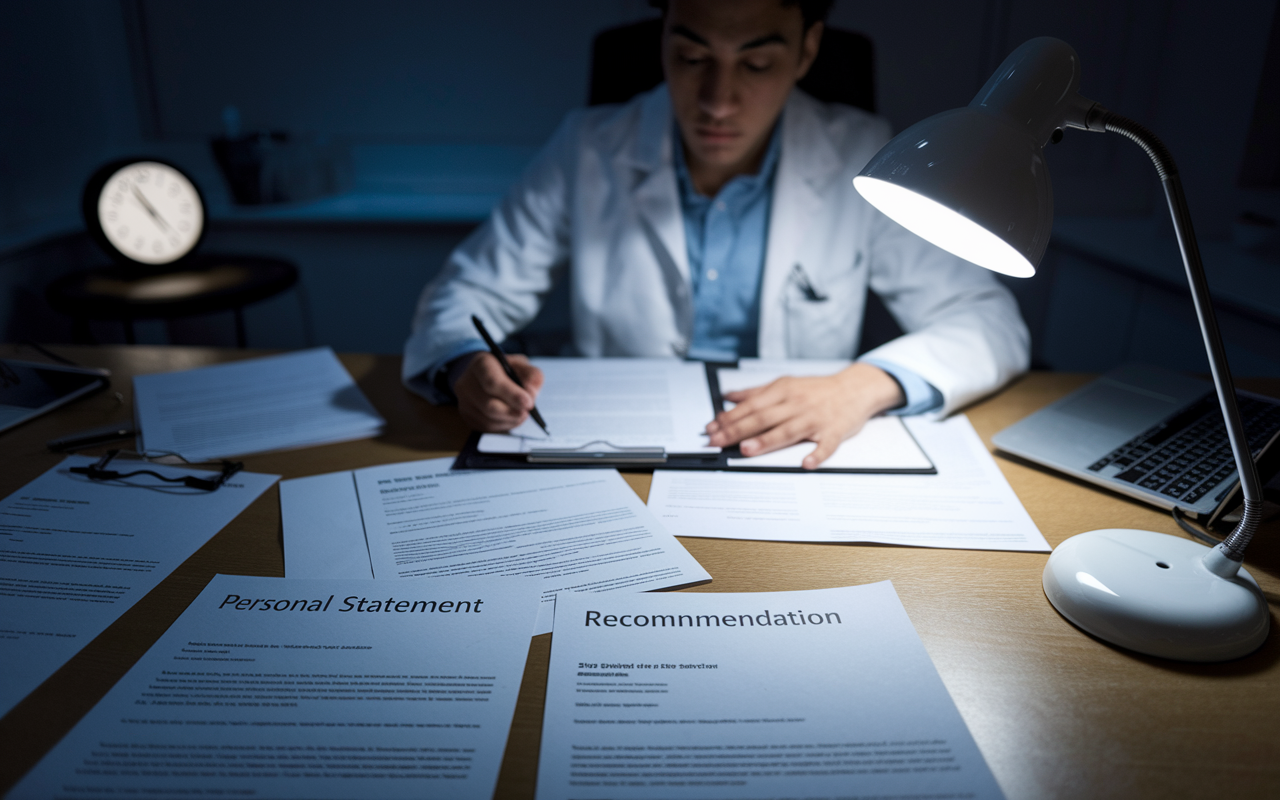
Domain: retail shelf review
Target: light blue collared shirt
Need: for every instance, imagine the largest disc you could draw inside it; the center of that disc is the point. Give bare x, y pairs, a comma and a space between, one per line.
726, 237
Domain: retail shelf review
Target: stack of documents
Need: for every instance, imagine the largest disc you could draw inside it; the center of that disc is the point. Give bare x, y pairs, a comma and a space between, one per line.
255, 406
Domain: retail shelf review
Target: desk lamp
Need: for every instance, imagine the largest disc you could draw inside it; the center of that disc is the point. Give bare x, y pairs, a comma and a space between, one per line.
974, 181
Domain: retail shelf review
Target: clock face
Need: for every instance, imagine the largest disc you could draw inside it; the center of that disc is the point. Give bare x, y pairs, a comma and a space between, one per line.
150, 212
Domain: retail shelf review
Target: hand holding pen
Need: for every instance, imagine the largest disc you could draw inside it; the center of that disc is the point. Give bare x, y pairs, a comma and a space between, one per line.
487, 398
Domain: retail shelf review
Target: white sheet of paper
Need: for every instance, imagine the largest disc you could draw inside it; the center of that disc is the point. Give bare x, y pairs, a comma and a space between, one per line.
253, 406
626, 402
576, 530
75, 554
324, 693
967, 505
323, 531
816, 694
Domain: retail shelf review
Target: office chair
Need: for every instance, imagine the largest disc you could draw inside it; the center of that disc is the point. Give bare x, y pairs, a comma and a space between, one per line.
627, 60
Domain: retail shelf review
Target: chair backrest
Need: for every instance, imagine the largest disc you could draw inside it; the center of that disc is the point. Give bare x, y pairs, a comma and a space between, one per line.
628, 60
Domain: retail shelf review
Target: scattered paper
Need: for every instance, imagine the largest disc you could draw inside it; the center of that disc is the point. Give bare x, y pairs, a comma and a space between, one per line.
576, 530
75, 554
817, 694
262, 404
269, 687
967, 505
606, 403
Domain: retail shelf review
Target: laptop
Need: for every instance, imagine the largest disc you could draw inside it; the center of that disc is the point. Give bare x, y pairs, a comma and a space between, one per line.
1152, 434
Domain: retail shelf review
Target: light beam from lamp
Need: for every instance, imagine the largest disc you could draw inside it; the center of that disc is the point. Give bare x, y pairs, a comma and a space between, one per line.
974, 181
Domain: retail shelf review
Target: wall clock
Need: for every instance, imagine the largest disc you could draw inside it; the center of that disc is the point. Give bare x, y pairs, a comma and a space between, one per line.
144, 211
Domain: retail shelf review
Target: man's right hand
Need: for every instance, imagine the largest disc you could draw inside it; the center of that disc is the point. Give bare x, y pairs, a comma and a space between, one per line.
491, 402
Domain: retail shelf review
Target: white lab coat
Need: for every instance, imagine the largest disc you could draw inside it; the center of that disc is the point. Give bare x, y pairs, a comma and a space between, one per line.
599, 206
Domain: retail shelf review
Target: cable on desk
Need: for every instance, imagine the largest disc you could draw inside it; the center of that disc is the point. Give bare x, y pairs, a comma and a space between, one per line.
1197, 533
44, 351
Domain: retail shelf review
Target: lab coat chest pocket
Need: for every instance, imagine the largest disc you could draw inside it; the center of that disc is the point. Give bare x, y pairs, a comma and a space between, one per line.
824, 305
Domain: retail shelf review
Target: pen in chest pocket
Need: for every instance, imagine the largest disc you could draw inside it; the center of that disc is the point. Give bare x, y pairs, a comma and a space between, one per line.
806, 287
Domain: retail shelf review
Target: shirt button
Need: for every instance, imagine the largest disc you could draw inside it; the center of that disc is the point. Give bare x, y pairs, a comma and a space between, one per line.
720, 206
712, 274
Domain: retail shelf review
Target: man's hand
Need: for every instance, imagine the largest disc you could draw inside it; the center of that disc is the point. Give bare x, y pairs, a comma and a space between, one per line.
488, 400
824, 410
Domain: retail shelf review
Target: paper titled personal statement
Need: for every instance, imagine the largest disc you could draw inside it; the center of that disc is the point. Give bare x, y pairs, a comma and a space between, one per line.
814, 694
269, 687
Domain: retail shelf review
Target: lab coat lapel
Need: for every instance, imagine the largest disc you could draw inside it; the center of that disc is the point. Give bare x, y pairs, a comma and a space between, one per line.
657, 203
807, 165
654, 193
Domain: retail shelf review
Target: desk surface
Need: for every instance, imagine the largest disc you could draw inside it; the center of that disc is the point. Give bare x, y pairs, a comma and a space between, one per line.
1056, 712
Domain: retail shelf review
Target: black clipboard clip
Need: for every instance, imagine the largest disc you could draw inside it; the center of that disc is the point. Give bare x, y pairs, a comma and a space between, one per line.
581, 455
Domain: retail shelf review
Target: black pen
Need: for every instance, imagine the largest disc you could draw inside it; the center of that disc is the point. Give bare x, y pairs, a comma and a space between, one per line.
506, 367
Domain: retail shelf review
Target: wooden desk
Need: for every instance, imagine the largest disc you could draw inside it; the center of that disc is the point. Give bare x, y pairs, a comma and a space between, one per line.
1056, 712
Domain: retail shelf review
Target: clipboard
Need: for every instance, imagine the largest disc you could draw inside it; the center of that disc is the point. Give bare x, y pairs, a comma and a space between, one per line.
648, 458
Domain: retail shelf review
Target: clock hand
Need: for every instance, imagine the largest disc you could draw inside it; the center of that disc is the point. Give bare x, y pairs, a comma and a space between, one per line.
150, 209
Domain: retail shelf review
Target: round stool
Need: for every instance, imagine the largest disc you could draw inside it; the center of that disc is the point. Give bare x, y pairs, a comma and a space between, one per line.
204, 284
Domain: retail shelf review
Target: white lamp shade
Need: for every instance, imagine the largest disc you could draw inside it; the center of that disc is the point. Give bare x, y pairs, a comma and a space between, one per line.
971, 182
974, 181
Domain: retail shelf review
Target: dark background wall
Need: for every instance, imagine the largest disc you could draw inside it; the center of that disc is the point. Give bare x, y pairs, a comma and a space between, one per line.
440, 103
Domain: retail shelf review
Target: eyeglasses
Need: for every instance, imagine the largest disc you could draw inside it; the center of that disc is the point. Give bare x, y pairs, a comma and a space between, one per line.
99, 472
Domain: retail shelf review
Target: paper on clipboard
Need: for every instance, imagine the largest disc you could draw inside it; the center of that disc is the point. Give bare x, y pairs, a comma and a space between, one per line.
883, 444
611, 404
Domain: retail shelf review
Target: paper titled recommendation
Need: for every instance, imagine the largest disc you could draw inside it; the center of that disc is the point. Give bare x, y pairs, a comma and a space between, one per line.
75, 554
270, 687
967, 505
814, 694
576, 530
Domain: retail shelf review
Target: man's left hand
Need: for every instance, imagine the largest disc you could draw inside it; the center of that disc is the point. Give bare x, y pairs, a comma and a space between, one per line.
825, 410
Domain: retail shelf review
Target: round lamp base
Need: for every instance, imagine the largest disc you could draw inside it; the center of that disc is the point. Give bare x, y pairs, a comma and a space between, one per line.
1151, 593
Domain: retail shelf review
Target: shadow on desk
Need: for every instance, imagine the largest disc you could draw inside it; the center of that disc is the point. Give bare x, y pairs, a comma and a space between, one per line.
1256, 663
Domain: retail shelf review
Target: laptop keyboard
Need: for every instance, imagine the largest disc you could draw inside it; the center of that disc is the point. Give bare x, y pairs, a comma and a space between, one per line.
1189, 456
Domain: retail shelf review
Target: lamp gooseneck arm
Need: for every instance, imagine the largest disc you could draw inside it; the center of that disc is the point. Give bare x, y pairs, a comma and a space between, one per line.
1224, 559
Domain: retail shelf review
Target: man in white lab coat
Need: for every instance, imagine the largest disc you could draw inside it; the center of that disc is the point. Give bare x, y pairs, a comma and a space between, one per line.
715, 218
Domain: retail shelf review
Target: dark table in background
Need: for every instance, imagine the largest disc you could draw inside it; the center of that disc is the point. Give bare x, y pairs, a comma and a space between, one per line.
1056, 712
